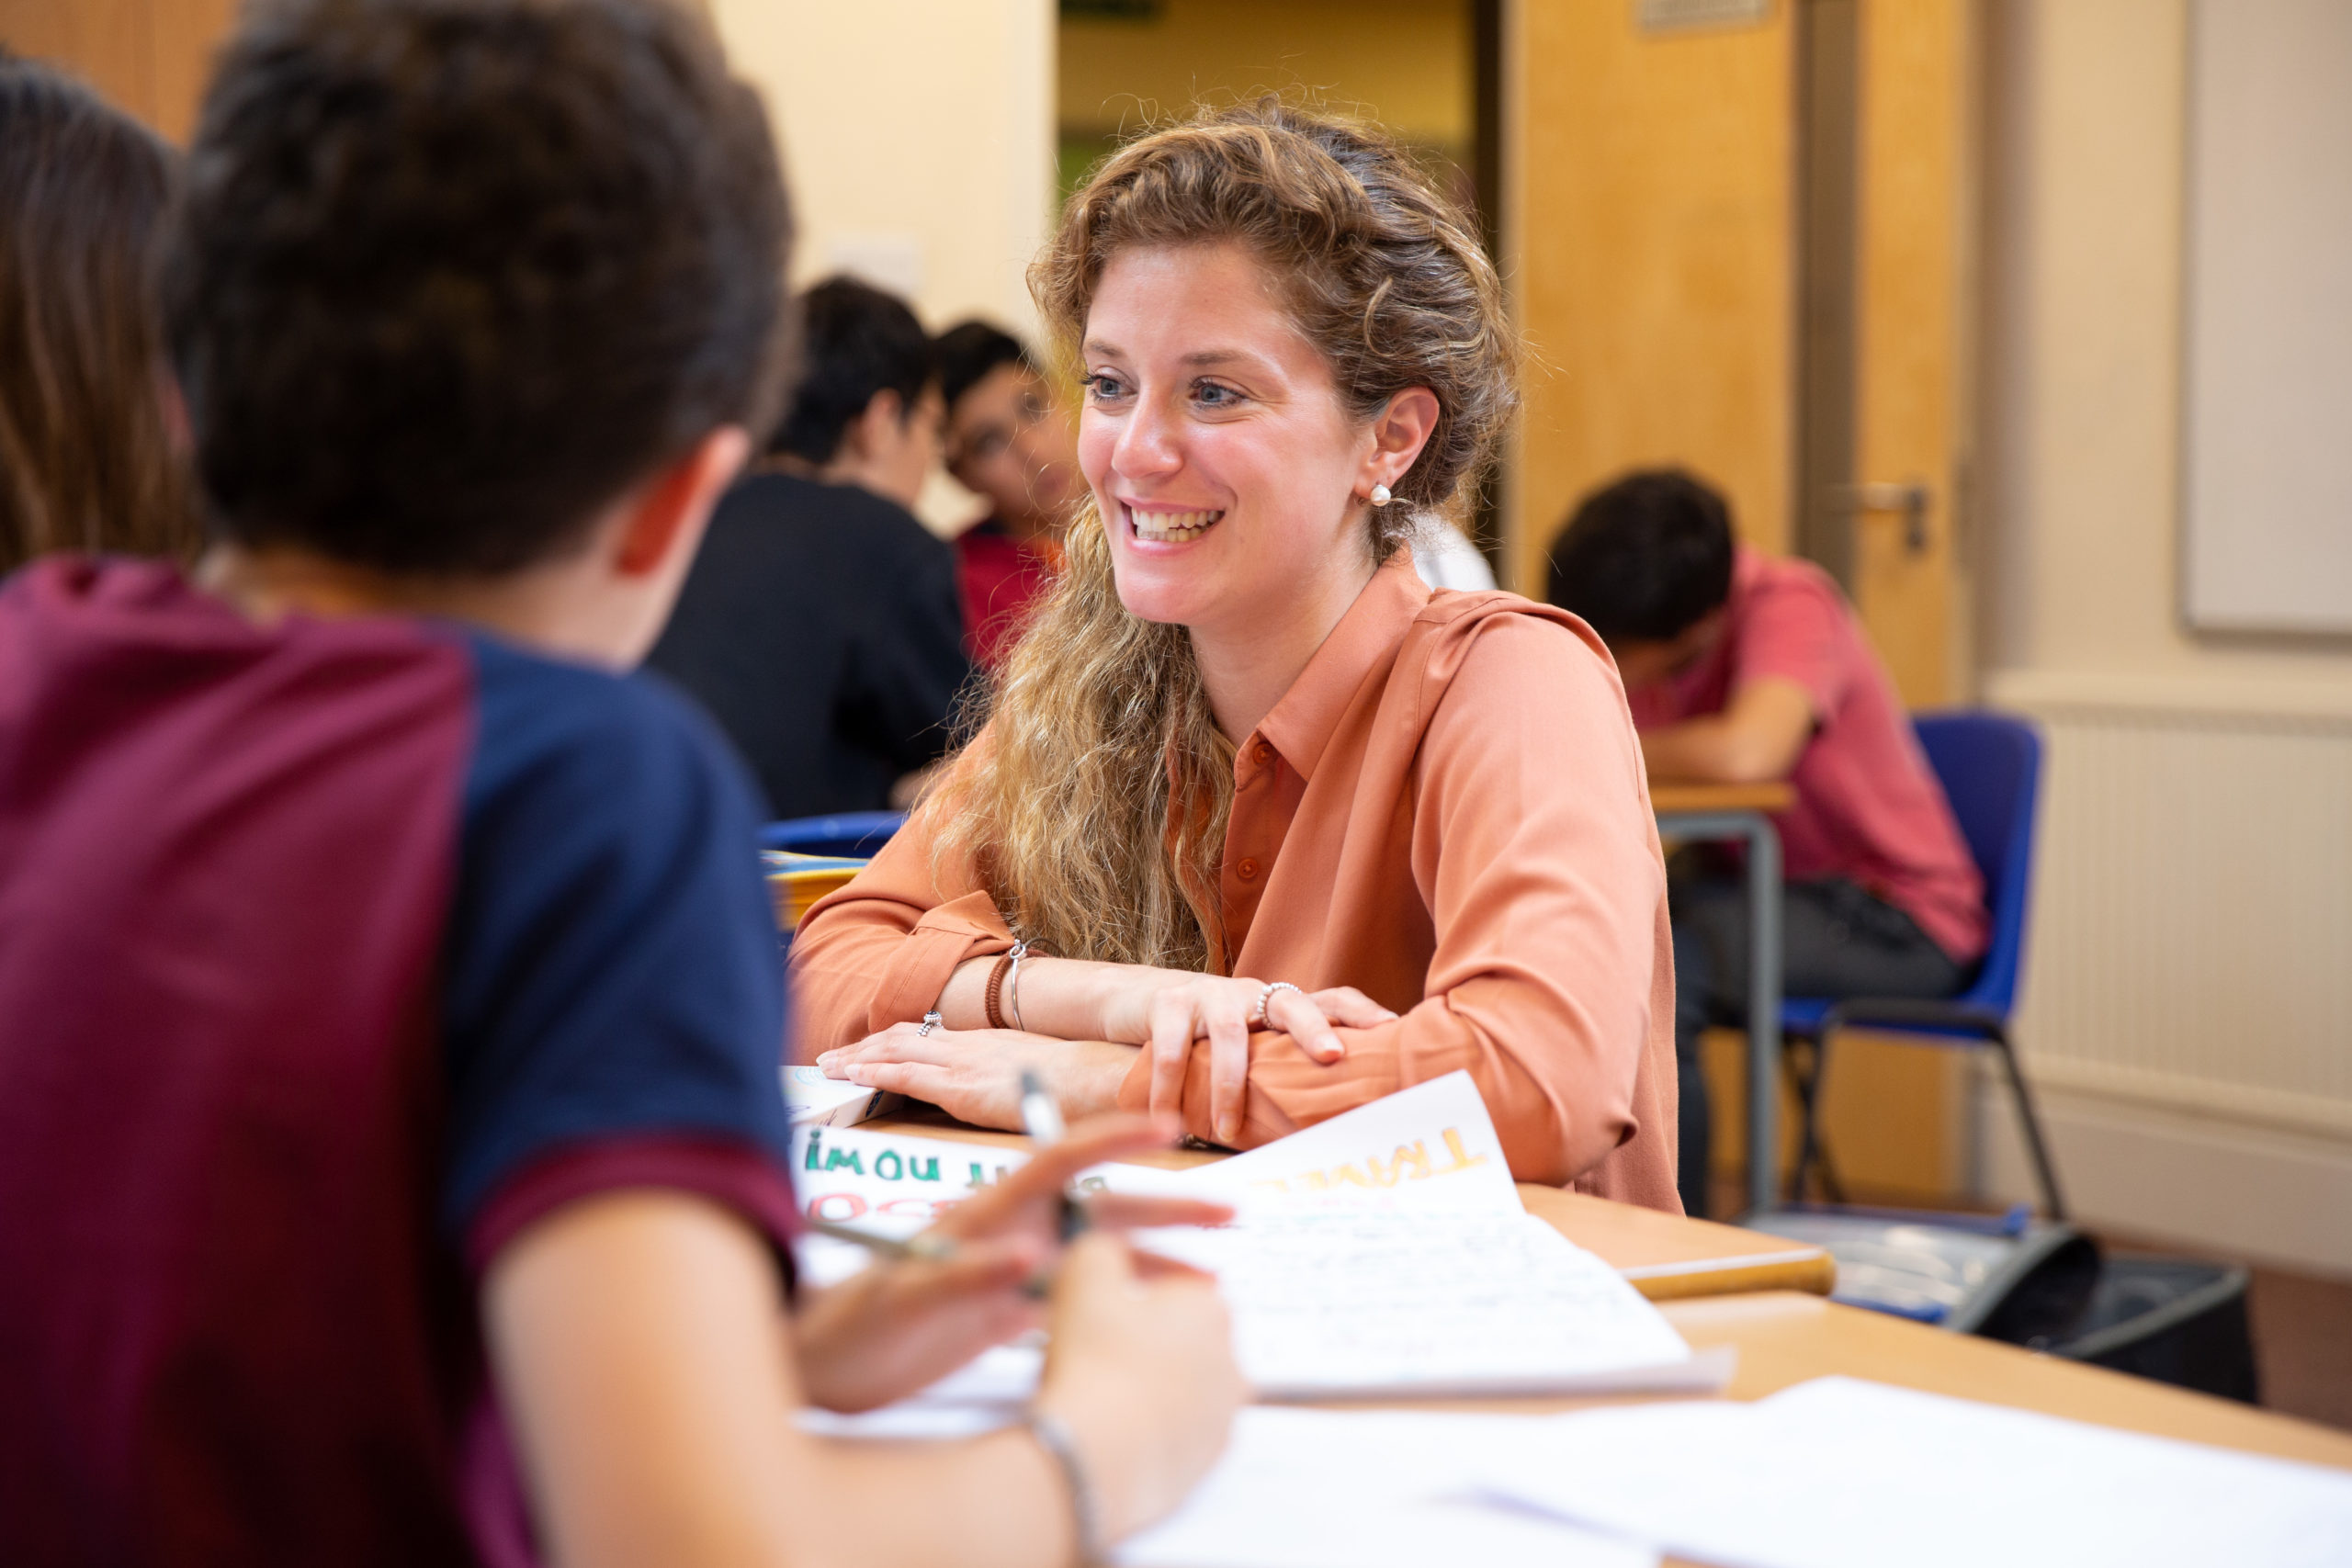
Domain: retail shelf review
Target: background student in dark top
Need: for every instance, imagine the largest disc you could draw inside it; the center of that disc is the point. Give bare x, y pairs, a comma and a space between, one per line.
1009, 442
820, 625
1742, 667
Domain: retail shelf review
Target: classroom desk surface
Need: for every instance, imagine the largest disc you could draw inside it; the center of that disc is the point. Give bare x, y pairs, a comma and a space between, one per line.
1785, 1337
1667, 797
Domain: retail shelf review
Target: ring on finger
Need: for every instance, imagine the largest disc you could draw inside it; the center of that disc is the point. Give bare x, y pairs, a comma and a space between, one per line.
1258, 1013
931, 1021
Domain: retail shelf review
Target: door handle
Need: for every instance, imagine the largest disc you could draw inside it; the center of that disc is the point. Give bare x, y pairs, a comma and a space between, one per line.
1911, 499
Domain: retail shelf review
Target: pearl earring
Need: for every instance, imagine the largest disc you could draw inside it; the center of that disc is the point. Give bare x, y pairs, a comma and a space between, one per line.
1380, 496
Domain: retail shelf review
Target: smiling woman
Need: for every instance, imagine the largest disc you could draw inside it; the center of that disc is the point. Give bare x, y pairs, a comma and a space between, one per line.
1280, 831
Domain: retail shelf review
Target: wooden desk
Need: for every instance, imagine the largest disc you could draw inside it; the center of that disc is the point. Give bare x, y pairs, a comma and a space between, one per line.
1785, 1337
1744, 812
1675, 798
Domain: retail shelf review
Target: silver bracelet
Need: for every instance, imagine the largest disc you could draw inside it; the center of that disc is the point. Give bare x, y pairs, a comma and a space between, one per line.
1013, 986
1086, 1513
1258, 1017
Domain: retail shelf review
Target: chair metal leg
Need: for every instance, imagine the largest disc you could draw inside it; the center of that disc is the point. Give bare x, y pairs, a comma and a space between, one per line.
1814, 1152
2043, 1169
1800, 1082
1904, 1014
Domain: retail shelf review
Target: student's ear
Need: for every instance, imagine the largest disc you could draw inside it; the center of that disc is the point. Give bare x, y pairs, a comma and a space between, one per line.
670, 509
884, 415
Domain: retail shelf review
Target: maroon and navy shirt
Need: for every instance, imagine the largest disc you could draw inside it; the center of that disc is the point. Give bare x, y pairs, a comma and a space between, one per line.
331, 954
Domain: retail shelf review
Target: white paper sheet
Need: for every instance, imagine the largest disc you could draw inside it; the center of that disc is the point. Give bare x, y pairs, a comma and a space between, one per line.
1368, 1489
811, 1097
1427, 1301
1429, 1147
889, 1183
1384, 1251
1843, 1473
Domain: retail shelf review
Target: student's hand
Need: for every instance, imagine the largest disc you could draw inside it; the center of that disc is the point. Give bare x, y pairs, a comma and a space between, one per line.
893, 1328
1169, 1013
974, 1075
1141, 1371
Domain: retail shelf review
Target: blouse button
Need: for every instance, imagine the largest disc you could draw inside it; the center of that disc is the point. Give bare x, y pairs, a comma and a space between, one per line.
1246, 871
1264, 752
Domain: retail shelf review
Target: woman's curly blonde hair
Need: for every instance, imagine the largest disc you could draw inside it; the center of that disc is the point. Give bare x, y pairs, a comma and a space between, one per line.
1094, 803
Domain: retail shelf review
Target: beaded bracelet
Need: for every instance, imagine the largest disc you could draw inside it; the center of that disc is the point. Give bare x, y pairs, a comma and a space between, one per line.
1086, 1512
996, 989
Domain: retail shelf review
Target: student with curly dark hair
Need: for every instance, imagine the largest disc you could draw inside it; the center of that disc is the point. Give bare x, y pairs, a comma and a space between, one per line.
391, 1144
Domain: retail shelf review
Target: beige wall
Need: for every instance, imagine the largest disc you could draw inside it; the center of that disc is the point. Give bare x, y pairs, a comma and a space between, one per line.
2082, 370
2184, 1000
918, 137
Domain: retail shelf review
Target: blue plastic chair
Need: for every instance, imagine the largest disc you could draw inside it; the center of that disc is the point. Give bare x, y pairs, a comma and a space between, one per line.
854, 835
1990, 766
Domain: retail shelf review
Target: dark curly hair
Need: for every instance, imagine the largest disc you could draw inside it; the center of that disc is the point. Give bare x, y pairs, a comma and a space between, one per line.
1644, 558
856, 342
453, 274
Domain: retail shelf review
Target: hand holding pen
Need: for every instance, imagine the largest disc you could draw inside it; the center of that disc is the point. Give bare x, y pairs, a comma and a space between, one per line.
973, 1280
1042, 1120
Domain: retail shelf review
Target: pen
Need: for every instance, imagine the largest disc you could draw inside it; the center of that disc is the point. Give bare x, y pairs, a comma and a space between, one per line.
927, 1246
1042, 1120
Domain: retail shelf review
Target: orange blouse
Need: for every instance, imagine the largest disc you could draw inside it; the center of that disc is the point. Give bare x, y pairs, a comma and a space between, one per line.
1447, 811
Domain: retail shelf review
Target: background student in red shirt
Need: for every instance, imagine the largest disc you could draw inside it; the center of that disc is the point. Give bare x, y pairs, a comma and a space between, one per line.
1008, 442
1742, 667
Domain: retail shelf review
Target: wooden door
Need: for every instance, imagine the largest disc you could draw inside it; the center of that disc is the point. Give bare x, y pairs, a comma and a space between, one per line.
1739, 235
1647, 204
1913, 381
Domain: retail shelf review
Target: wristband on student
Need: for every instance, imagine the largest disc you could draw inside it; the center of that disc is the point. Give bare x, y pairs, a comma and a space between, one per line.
1013, 983
1086, 1514
996, 989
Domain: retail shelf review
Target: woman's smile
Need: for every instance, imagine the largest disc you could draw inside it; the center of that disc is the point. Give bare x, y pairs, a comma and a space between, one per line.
1161, 524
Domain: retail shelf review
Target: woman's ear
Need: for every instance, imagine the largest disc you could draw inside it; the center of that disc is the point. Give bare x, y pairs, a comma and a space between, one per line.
1399, 434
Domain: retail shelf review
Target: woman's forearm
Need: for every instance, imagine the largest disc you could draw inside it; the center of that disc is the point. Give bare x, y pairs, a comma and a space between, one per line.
1065, 998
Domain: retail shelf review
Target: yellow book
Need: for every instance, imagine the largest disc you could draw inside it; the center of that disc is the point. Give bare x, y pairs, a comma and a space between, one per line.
796, 881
